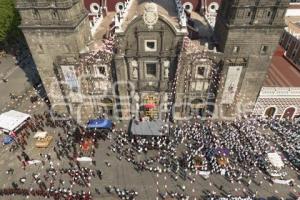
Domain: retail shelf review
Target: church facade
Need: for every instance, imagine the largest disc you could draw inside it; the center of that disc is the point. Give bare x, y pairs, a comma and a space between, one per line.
151, 59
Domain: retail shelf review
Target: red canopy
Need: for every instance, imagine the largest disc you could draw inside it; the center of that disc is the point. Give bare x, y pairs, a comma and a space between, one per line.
149, 105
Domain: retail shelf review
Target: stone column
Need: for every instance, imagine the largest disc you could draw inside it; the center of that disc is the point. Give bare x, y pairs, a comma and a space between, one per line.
121, 84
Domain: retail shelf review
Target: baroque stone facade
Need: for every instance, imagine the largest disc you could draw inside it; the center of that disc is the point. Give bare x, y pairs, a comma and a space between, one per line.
149, 64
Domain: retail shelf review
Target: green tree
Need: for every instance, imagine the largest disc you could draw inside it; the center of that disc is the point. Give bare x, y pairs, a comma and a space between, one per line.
9, 20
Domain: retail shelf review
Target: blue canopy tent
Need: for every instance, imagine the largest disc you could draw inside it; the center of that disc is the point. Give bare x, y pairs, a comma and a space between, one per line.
99, 124
7, 139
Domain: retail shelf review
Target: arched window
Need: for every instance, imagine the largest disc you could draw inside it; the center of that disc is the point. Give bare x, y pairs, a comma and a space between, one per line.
289, 113
54, 14
36, 14
270, 112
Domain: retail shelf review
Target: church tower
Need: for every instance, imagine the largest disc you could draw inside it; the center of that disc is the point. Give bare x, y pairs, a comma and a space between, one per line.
53, 28
247, 33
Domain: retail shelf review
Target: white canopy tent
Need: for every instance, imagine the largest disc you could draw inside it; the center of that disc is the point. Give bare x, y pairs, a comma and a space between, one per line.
275, 160
12, 120
40, 135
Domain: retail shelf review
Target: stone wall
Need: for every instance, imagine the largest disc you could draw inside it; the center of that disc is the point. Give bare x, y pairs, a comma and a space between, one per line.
65, 36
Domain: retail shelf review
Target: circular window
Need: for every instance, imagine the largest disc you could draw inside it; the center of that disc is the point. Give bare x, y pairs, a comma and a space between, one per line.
188, 6
95, 8
213, 7
119, 7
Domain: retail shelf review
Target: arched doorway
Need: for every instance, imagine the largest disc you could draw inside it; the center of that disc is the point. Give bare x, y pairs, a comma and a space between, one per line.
149, 107
270, 112
198, 107
289, 113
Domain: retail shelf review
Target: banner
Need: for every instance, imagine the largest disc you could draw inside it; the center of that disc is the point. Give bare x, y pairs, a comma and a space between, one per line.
70, 76
231, 84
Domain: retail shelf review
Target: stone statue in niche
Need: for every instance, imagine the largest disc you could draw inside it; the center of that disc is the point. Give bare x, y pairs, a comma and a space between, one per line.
135, 72
134, 65
166, 74
166, 68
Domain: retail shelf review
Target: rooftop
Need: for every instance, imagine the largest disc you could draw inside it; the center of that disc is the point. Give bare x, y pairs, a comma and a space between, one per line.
147, 128
281, 72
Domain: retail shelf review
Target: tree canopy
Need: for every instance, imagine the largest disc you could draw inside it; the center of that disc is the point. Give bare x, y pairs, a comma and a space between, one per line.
9, 19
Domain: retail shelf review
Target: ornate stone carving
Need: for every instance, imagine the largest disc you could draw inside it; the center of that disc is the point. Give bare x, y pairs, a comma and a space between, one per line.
150, 15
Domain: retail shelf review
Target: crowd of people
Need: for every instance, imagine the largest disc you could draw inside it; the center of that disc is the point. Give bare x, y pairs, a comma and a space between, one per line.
53, 180
236, 149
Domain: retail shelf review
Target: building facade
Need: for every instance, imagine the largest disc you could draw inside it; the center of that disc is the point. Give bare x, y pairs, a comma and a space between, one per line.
290, 41
141, 58
247, 32
52, 29
279, 97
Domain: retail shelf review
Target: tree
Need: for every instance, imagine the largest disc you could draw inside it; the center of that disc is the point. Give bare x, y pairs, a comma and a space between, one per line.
9, 20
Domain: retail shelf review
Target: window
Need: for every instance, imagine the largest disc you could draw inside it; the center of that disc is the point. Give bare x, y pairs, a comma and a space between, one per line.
264, 49
249, 13
100, 71
35, 14
151, 69
293, 54
150, 45
200, 71
54, 14
236, 49
94, 8
269, 13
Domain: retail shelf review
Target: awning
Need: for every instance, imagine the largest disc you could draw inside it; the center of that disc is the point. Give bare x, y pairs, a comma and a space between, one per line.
100, 123
7, 139
12, 120
147, 128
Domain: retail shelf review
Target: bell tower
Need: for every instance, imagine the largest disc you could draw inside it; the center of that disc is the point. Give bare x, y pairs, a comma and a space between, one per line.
247, 33
53, 28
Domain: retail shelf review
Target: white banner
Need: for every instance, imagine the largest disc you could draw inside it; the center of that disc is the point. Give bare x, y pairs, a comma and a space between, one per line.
70, 76
231, 84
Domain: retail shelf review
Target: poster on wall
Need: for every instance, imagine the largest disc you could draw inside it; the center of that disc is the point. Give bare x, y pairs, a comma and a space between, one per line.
70, 76
231, 84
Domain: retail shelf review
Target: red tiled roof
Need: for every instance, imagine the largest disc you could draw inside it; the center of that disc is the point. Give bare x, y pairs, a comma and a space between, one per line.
281, 72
